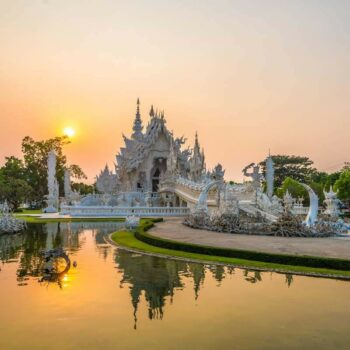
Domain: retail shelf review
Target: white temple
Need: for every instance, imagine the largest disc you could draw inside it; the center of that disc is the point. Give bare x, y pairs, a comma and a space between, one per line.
151, 158
156, 176
147, 157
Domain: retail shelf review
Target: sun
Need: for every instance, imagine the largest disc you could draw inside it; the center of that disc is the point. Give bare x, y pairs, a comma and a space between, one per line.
68, 131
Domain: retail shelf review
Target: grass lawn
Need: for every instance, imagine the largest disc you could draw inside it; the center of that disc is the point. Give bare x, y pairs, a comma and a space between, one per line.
29, 211
127, 239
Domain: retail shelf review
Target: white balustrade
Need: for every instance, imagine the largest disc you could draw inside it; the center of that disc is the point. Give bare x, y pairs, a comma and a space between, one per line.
300, 210
109, 211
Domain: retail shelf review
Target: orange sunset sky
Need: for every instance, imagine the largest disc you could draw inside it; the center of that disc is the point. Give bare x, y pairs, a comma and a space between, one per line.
249, 76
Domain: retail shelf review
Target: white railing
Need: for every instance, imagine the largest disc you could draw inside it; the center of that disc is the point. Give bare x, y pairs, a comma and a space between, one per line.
300, 210
197, 186
109, 211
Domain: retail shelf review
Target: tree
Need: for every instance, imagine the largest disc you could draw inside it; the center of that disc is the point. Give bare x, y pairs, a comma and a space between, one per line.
83, 188
14, 168
324, 179
294, 188
318, 189
296, 167
35, 160
15, 191
346, 166
342, 185
13, 185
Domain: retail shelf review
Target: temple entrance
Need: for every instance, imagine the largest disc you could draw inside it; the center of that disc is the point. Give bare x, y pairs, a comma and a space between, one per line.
155, 181
157, 171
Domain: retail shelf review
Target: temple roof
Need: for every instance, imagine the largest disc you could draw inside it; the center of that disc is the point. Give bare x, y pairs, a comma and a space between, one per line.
137, 149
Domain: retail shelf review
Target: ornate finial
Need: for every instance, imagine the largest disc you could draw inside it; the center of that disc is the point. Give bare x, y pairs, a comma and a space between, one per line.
137, 127
151, 112
138, 107
196, 142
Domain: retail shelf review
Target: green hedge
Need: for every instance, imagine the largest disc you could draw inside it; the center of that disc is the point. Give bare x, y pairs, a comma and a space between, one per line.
307, 261
147, 224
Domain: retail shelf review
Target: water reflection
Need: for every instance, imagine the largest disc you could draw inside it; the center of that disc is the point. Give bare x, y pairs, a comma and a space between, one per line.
26, 249
112, 292
158, 279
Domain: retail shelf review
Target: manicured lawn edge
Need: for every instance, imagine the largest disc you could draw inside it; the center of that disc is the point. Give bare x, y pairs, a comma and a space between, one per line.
283, 259
131, 241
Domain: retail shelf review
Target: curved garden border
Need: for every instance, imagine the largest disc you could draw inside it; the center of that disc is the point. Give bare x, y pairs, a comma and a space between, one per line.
284, 259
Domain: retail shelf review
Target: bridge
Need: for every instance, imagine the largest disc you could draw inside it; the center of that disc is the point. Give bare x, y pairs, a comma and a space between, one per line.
206, 195
188, 192
113, 211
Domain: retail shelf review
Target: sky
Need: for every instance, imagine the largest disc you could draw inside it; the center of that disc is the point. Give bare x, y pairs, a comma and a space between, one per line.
249, 76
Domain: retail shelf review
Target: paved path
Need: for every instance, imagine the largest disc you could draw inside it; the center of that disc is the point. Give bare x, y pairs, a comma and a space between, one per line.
172, 228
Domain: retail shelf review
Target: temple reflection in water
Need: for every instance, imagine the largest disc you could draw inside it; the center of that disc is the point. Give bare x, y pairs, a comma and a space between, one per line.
158, 279
154, 278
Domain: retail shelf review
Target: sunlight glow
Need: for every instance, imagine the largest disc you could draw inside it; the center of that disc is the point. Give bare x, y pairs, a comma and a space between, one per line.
68, 131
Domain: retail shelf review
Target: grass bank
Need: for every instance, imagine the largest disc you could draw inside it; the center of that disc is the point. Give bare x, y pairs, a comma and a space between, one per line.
29, 211
140, 240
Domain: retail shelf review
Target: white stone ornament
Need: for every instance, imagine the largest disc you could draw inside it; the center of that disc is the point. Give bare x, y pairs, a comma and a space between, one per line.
52, 199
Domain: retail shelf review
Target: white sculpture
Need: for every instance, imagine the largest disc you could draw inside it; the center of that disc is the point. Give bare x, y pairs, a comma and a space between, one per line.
131, 222
67, 185
202, 200
52, 184
313, 210
270, 173
272, 206
255, 175
8, 223
332, 203
288, 202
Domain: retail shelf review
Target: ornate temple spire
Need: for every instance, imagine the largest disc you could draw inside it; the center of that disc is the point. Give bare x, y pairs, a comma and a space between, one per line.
151, 112
197, 162
196, 148
137, 127
196, 143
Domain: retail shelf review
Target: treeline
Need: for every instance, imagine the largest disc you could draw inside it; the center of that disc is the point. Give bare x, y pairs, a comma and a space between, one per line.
291, 170
25, 180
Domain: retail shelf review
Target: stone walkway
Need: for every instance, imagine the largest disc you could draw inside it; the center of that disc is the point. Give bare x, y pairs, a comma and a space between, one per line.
172, 228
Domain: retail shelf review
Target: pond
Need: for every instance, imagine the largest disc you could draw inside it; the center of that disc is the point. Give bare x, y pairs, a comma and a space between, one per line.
115, 299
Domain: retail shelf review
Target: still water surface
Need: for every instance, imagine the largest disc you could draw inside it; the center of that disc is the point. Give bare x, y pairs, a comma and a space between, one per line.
114, 299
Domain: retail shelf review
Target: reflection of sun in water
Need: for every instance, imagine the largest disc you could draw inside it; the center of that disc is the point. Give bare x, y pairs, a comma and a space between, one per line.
68, 131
